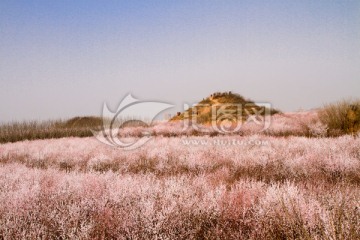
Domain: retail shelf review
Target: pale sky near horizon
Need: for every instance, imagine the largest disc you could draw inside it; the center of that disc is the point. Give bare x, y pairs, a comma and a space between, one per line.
60, 59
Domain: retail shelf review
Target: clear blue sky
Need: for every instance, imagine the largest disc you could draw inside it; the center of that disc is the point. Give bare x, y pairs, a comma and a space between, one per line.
60, 59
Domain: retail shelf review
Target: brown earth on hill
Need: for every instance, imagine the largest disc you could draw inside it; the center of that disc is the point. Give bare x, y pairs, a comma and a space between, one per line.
223, 105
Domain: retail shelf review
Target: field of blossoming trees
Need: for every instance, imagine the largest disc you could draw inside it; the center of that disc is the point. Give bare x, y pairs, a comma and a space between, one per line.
288, 182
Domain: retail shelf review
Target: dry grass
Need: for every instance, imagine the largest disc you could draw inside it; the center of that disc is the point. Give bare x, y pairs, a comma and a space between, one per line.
342, 117
74, 127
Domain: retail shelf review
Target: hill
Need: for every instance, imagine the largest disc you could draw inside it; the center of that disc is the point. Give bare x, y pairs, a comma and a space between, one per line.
86, 121
235, 106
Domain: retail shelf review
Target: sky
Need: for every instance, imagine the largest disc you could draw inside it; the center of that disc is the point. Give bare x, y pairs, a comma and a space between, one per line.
60, 59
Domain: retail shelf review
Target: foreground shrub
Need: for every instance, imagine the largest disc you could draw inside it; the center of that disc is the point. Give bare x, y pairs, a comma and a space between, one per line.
342, 117
220, 187
50, 204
